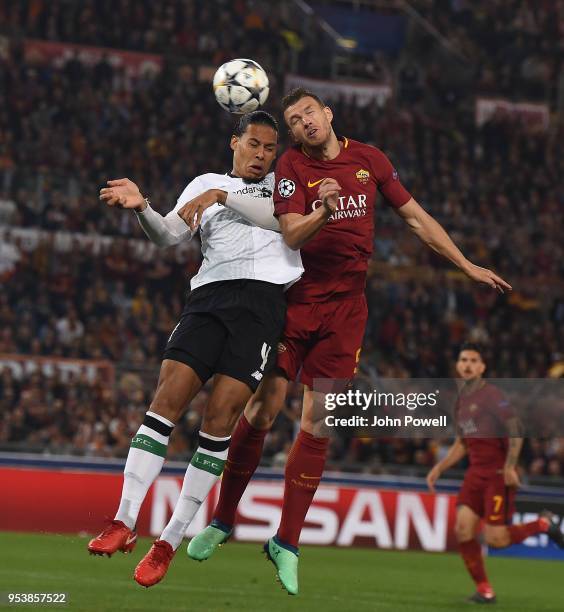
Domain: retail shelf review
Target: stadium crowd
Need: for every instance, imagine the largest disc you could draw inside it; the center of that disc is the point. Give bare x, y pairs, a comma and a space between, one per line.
61, 138
180, 28
515, 45
494, 187
113, 306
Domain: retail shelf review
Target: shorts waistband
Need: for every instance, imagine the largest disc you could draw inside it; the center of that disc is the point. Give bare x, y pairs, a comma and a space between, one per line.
249, 284
337, 297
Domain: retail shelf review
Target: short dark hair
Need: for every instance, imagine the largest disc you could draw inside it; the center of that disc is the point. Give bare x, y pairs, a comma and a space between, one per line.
258, 117
472, 346
297, 94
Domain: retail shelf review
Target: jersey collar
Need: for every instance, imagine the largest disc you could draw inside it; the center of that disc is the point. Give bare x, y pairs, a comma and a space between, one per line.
342, 139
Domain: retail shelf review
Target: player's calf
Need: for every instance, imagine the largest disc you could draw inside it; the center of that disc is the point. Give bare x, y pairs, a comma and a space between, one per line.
497, 536
502, 536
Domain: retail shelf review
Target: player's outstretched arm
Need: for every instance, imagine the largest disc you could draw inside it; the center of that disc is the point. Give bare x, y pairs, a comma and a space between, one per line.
453, 456
163, 231
298, 229
258, 211
429, 231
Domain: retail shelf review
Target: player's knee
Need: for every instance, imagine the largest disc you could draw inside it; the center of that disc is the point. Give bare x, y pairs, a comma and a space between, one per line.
496, 539
221, 420
463, 532
260, 415
315, 425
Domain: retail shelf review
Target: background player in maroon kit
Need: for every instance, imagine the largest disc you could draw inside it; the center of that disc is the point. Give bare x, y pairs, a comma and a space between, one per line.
324, 198
488, 434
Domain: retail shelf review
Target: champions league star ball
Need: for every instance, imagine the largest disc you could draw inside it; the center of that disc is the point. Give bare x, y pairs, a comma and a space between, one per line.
240, 86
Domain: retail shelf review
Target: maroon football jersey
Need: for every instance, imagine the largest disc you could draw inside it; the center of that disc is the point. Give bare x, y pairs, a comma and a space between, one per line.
481, 421
336, 260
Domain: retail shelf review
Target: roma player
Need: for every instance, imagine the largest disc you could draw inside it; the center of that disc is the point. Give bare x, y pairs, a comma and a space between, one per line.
324, 199
489, 436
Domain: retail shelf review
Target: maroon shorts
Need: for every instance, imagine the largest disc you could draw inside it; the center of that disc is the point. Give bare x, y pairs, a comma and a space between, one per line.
323, 339
488, 496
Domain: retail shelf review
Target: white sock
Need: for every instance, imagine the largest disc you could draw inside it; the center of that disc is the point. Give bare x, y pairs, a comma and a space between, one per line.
144, 463
203, 472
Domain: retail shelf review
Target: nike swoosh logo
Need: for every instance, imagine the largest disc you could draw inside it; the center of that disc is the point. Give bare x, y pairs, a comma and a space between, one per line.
495, 517
131, 539
310, 477
314, 183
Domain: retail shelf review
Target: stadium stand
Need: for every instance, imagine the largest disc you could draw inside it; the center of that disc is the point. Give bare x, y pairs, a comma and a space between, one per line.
65, 129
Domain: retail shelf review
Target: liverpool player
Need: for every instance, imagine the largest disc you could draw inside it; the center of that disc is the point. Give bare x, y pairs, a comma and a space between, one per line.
488, 434
232, 322
324, 199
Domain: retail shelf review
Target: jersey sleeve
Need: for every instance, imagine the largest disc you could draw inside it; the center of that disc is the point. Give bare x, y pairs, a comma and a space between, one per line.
289, 195
503, 408
389, 185
173, 221
193, 189
170, 229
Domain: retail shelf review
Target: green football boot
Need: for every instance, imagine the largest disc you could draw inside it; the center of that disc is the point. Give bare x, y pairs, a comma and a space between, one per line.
285, 560
205, 543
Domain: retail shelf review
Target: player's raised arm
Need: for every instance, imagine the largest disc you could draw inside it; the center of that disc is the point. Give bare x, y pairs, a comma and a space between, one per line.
455, 453
162, 231
427, 229
430, 231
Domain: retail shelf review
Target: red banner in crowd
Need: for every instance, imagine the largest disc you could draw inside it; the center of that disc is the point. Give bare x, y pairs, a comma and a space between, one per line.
530, 114
134, 63
74, 502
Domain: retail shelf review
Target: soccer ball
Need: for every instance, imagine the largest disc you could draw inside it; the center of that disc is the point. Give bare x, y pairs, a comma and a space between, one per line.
240, 86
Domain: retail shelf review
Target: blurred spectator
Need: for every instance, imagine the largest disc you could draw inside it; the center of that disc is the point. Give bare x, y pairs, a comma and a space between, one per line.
69, 328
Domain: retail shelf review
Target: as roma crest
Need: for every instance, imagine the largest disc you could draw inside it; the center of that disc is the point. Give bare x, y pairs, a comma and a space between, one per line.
363, 176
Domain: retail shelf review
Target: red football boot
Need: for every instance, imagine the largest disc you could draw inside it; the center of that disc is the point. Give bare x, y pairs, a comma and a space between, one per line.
154, 565
116, 536
484, 594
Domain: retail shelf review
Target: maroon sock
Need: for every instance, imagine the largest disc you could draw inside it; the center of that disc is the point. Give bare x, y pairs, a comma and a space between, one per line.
518, 533
243, 458
471, 552
304, 469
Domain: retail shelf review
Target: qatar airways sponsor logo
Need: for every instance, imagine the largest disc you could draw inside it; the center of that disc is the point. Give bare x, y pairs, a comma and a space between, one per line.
349, 207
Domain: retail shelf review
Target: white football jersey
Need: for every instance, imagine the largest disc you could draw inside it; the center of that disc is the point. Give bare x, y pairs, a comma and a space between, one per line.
232, 247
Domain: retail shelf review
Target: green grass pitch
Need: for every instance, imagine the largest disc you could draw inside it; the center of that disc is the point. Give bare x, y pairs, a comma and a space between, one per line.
239, 578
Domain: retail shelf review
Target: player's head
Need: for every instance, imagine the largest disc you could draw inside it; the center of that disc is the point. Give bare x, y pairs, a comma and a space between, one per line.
470, 363
254, 143
307, 117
